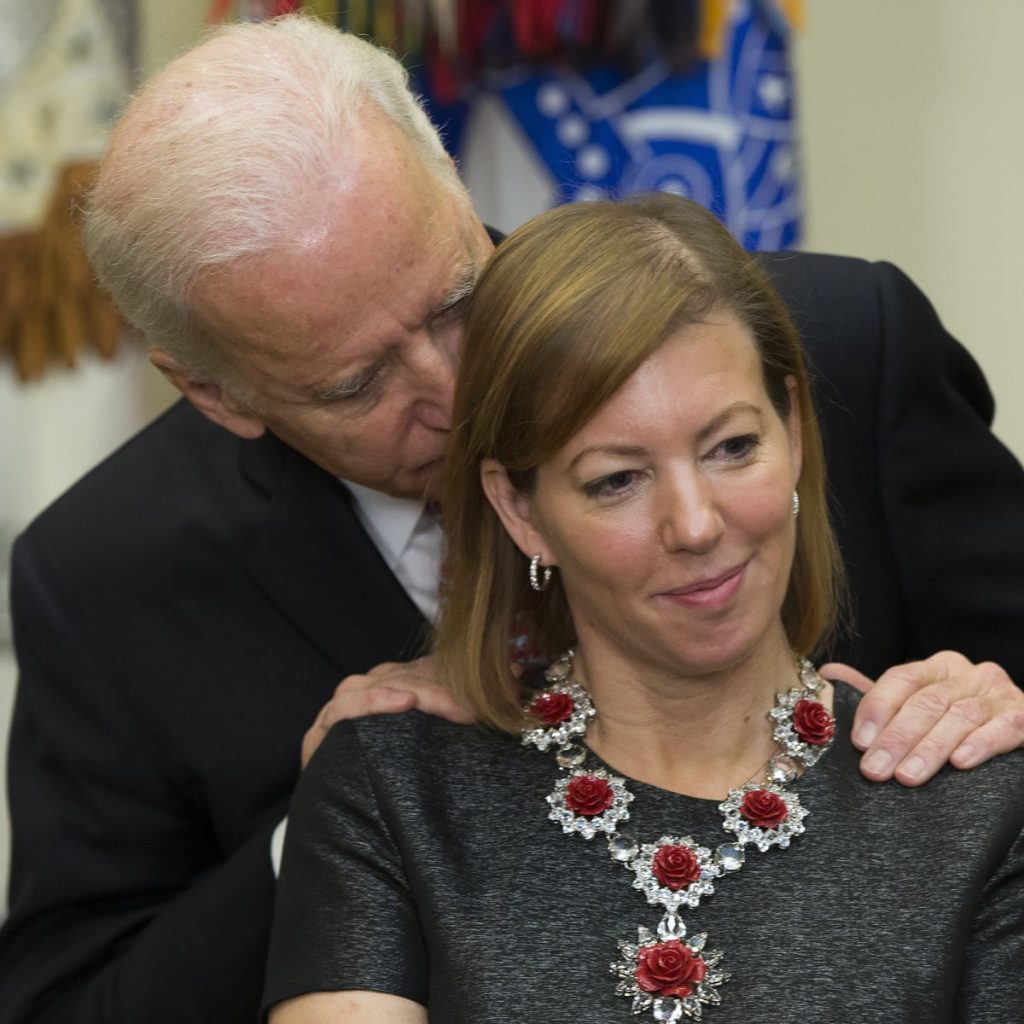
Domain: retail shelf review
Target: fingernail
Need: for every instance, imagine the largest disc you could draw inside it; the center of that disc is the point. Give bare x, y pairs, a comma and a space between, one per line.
912, 769
879, 762
864, 735
964, 756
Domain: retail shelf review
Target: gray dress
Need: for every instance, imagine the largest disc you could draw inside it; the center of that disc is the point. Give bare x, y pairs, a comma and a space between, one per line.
420, 862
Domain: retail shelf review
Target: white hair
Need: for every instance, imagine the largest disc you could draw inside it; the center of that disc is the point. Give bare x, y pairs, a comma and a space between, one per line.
223, 155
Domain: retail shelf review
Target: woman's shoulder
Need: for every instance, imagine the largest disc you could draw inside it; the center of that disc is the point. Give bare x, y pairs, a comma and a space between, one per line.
986, 798
414, 742
1009, 765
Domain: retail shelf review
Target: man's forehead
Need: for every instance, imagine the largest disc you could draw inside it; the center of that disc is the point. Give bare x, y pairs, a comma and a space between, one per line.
382, 247
317, 315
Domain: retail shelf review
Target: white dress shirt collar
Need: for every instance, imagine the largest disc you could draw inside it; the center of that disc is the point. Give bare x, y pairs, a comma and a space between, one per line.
389, 521
410, 541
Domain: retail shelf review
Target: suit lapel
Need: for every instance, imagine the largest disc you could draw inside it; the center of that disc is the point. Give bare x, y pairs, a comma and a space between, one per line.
313, 559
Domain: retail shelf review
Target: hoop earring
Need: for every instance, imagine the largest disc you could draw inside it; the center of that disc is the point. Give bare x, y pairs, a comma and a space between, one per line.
796, 504
537, 581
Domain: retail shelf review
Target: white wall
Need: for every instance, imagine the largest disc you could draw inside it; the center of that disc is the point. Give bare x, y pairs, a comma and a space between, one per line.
914, 152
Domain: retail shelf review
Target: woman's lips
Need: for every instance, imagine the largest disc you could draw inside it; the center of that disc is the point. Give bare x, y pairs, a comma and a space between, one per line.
715, 592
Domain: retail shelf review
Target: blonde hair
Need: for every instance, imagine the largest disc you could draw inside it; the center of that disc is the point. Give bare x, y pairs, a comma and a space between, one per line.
227, 154
568, 309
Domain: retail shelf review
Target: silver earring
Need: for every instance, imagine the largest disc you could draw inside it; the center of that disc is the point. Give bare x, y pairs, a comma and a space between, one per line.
796, 504
537, 581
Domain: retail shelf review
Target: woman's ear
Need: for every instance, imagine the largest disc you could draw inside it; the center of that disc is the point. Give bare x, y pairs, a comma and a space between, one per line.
514, 509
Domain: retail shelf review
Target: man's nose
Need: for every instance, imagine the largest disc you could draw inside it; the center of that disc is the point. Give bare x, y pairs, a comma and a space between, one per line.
434, 371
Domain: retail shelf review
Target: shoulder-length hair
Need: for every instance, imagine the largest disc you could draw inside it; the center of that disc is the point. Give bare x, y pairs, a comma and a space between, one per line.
568, 309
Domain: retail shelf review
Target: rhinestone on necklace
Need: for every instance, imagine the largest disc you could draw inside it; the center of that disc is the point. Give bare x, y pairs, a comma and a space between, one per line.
665, 971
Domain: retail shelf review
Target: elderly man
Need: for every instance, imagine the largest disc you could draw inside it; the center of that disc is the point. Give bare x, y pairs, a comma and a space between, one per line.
279, 220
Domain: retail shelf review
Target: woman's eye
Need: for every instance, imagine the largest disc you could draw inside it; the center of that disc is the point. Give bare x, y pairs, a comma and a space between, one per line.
736, 449
610, 485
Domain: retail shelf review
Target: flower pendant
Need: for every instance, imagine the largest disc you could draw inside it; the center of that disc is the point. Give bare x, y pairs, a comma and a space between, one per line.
675, 872
589, 802
763, 814
669, 974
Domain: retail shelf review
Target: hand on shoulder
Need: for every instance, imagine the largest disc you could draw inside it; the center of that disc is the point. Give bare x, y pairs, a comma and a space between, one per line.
920, 715
386, 689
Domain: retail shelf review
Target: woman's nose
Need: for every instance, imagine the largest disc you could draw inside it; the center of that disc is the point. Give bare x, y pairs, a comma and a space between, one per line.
691, 519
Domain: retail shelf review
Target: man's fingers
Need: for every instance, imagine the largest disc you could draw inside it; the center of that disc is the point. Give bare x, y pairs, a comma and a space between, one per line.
881, 703
917, 715
846, 674
927, 756
353, 704
418, 678
1002, 734
909, 703
413, 673
386, 689
381, 700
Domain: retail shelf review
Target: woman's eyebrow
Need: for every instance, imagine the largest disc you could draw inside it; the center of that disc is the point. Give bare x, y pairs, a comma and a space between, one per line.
727, 414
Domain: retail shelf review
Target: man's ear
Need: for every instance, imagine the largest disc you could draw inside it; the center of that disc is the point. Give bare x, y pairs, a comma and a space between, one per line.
515, 510
209, 399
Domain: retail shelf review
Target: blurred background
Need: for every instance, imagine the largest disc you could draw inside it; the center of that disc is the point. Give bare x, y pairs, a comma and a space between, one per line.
875, 129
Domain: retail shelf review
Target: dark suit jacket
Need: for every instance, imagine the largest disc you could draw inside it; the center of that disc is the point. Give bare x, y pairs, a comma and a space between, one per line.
184, 611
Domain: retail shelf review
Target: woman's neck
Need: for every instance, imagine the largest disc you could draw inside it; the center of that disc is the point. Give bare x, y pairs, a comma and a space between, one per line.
698, 735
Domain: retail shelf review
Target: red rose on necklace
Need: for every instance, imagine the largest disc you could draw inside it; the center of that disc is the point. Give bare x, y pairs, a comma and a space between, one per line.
588, 795
764, 809
675, 866
552, 708
812, 722
669, 969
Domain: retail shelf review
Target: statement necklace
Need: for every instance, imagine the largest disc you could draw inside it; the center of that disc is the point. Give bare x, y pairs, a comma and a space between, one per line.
665, 971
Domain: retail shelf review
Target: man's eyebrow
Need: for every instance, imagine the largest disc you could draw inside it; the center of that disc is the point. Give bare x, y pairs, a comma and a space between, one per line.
351, 386
462, 289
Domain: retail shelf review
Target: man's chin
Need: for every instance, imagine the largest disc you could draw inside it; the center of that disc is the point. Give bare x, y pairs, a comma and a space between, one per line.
422, 484
432, 477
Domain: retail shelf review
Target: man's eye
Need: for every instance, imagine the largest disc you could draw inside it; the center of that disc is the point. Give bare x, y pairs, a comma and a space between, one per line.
354, 390
453, 312
368, 383
610, 485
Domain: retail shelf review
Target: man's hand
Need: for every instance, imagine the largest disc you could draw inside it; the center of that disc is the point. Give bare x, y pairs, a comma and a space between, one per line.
384, 690
921, 714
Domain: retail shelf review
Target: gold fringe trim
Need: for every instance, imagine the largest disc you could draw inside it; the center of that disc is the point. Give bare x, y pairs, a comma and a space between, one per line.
51, 309
325, 10
714, 23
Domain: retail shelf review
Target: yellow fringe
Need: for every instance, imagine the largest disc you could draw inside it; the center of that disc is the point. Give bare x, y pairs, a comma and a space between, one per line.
51, 310
325, 10
714, 23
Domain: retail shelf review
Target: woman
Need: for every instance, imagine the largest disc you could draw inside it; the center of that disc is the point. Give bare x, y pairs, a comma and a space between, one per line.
636, 479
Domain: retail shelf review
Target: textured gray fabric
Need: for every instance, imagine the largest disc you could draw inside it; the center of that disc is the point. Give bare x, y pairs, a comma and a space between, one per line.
419, 861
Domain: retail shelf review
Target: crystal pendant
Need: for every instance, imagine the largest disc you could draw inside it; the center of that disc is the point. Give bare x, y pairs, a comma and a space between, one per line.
667, 1009
671, 927
558, 670
730, 856
783, 770
572, 755
623, 848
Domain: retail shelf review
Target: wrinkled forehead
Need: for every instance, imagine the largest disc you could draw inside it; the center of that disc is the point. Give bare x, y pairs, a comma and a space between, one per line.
369, 269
